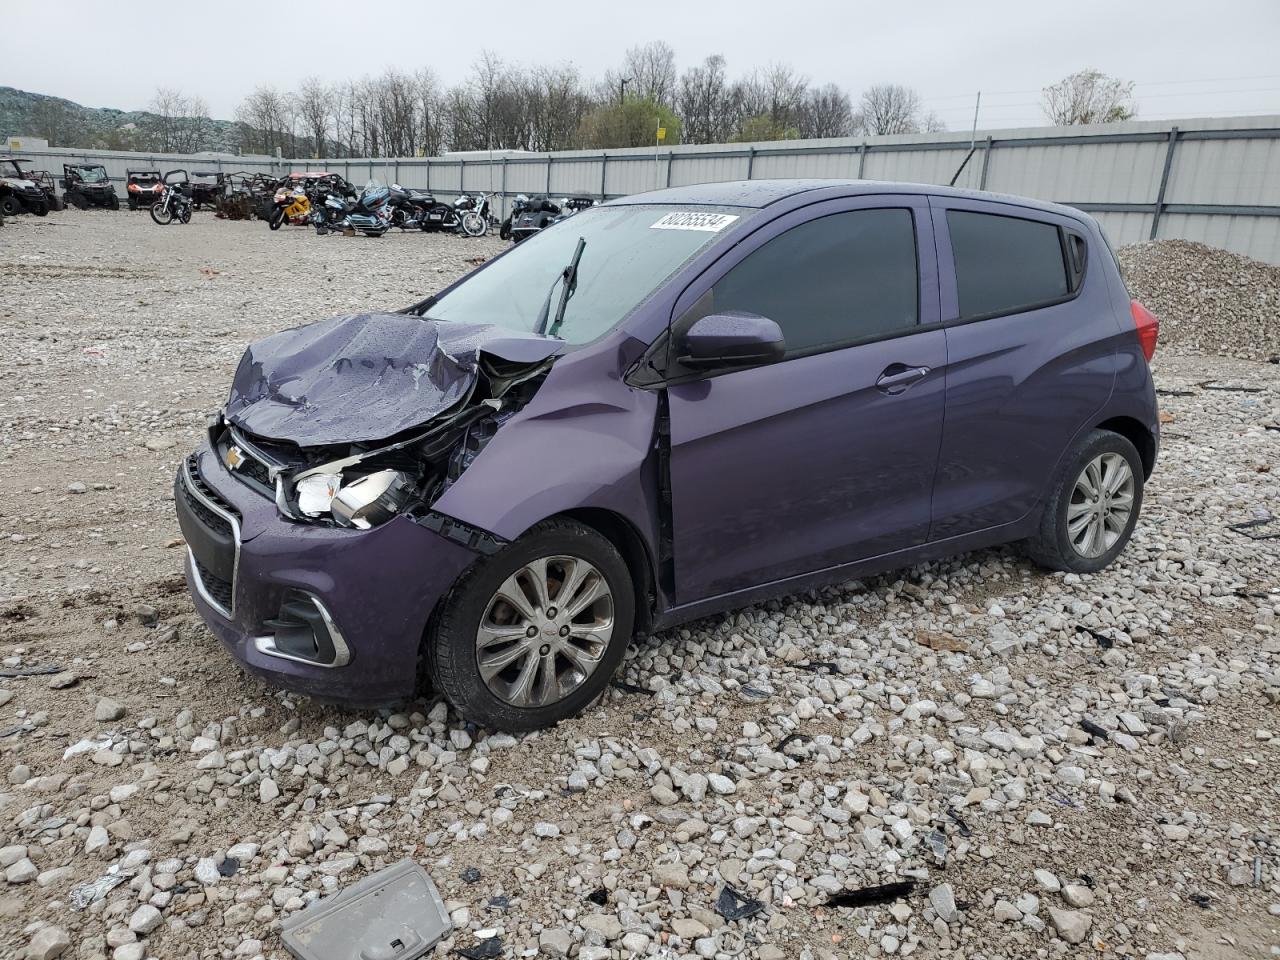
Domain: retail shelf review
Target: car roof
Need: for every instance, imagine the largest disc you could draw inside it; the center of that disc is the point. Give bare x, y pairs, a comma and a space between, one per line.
762, 193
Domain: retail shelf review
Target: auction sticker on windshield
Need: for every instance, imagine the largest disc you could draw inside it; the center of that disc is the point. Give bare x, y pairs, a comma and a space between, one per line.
709, 222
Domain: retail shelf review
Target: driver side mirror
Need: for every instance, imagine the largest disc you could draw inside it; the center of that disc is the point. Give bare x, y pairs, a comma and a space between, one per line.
731, 339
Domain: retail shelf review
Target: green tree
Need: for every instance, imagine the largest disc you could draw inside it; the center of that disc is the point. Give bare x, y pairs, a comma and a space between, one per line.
631, 123
761, 128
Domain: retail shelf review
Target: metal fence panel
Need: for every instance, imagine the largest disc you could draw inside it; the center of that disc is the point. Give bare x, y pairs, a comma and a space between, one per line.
1215, 180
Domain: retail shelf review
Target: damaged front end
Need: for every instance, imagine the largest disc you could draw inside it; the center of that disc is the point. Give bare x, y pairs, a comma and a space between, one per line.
359, 419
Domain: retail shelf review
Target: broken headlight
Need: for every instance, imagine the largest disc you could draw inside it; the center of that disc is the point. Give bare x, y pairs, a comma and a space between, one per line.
361, 503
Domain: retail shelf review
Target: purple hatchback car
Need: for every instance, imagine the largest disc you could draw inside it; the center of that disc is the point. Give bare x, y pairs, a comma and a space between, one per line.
664, 407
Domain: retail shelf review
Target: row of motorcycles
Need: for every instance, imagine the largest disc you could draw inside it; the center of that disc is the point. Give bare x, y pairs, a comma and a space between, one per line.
332, 205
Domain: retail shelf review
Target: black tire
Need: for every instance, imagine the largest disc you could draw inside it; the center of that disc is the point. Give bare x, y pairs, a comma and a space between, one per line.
186, 215
40, 208
276, 218
451, 657
114, 202
10, 206
74, 198
505, 230
1051, 546
133, 204
161, 214
56, 204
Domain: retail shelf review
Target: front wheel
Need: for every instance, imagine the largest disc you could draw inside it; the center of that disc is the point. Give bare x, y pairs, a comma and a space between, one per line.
505, 230
532, 635
474, 224
161, 213
1093, 506
114, 202
276, 218
186, 215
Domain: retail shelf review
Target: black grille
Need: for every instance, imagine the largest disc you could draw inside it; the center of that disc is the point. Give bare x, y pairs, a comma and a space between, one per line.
215, 586
213, 521
255, 469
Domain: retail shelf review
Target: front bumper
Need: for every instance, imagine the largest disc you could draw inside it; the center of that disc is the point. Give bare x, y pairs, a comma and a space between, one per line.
375, 589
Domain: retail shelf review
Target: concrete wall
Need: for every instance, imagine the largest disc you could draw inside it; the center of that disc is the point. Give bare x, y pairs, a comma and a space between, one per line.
1213, 180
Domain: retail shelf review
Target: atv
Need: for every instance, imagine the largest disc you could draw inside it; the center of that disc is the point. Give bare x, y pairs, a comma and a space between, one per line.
145, 187
207, 188
87, 185
15, 169
19, 194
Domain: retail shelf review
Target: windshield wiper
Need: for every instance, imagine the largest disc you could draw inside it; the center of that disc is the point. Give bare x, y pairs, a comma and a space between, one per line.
569, 277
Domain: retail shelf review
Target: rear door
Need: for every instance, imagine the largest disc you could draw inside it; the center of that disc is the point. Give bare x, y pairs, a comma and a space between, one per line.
1031, 344
828, 455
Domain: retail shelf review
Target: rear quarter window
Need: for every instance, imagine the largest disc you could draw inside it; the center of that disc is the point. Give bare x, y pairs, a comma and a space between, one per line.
1005, 264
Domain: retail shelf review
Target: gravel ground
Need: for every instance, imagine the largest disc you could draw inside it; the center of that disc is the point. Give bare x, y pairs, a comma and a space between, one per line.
1049, 763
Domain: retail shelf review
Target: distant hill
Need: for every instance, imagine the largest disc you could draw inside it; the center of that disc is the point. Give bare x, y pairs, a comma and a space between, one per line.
65, 123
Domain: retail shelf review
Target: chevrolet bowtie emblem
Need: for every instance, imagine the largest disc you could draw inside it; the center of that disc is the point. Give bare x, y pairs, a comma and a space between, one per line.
235, 457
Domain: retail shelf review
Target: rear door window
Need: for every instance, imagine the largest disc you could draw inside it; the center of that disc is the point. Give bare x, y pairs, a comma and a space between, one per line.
1005, 264
837, 280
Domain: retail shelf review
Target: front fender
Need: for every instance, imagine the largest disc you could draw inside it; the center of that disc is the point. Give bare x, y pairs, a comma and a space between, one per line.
585, 441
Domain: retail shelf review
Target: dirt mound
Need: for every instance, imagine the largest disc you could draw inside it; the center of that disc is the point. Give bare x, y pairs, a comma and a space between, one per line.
1208, 300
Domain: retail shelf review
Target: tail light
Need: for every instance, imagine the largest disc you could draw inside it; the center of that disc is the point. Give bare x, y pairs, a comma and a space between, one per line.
1148, 327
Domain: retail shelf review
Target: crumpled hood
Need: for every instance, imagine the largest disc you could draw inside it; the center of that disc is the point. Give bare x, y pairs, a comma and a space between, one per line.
366, 376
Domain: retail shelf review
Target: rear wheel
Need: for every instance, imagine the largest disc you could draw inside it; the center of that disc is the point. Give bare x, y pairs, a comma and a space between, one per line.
113, 202
161, 213
55, 203
40, 208
532, 635
1093, 506
76, 199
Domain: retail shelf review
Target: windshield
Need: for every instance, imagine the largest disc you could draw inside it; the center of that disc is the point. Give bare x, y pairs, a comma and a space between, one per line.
93, 174
629, 251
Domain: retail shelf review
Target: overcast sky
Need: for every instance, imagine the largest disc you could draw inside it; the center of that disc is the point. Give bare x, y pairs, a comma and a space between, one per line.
1188, 57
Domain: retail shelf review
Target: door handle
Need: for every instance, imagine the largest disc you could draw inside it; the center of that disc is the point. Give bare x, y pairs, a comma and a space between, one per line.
898, 376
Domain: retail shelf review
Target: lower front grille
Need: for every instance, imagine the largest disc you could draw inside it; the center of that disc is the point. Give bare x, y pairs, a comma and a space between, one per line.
219, 590
211, 527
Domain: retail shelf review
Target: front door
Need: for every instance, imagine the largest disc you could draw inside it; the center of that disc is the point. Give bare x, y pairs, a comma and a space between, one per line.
827, 456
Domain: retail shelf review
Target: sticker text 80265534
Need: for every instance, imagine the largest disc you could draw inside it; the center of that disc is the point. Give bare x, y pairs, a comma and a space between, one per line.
689, 220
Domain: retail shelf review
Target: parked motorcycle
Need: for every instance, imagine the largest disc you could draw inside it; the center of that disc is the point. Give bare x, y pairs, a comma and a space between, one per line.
409, 207
370, 213
468, 214
538, 213
518, 206
175, 203
290, 205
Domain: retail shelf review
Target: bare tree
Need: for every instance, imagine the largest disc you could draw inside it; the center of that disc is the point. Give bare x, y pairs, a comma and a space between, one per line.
314, 105
652, 70
777, 92
1089, 96
705, 102
826, 112
889, 108
263, 120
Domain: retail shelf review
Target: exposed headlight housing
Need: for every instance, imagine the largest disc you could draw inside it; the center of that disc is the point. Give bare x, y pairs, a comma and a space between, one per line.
316, 492
371, 500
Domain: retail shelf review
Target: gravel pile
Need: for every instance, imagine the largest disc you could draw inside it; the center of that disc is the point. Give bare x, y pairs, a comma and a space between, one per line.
967, 758
1208, 300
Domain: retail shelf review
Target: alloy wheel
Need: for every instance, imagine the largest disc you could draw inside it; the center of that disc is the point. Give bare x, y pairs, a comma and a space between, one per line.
544, 631
1101, 505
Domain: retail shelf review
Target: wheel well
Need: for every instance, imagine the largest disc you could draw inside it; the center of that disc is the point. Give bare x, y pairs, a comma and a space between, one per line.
1137, 434
623, 535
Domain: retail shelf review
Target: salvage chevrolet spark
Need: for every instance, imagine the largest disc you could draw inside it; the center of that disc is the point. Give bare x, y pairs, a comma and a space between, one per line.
664, 407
